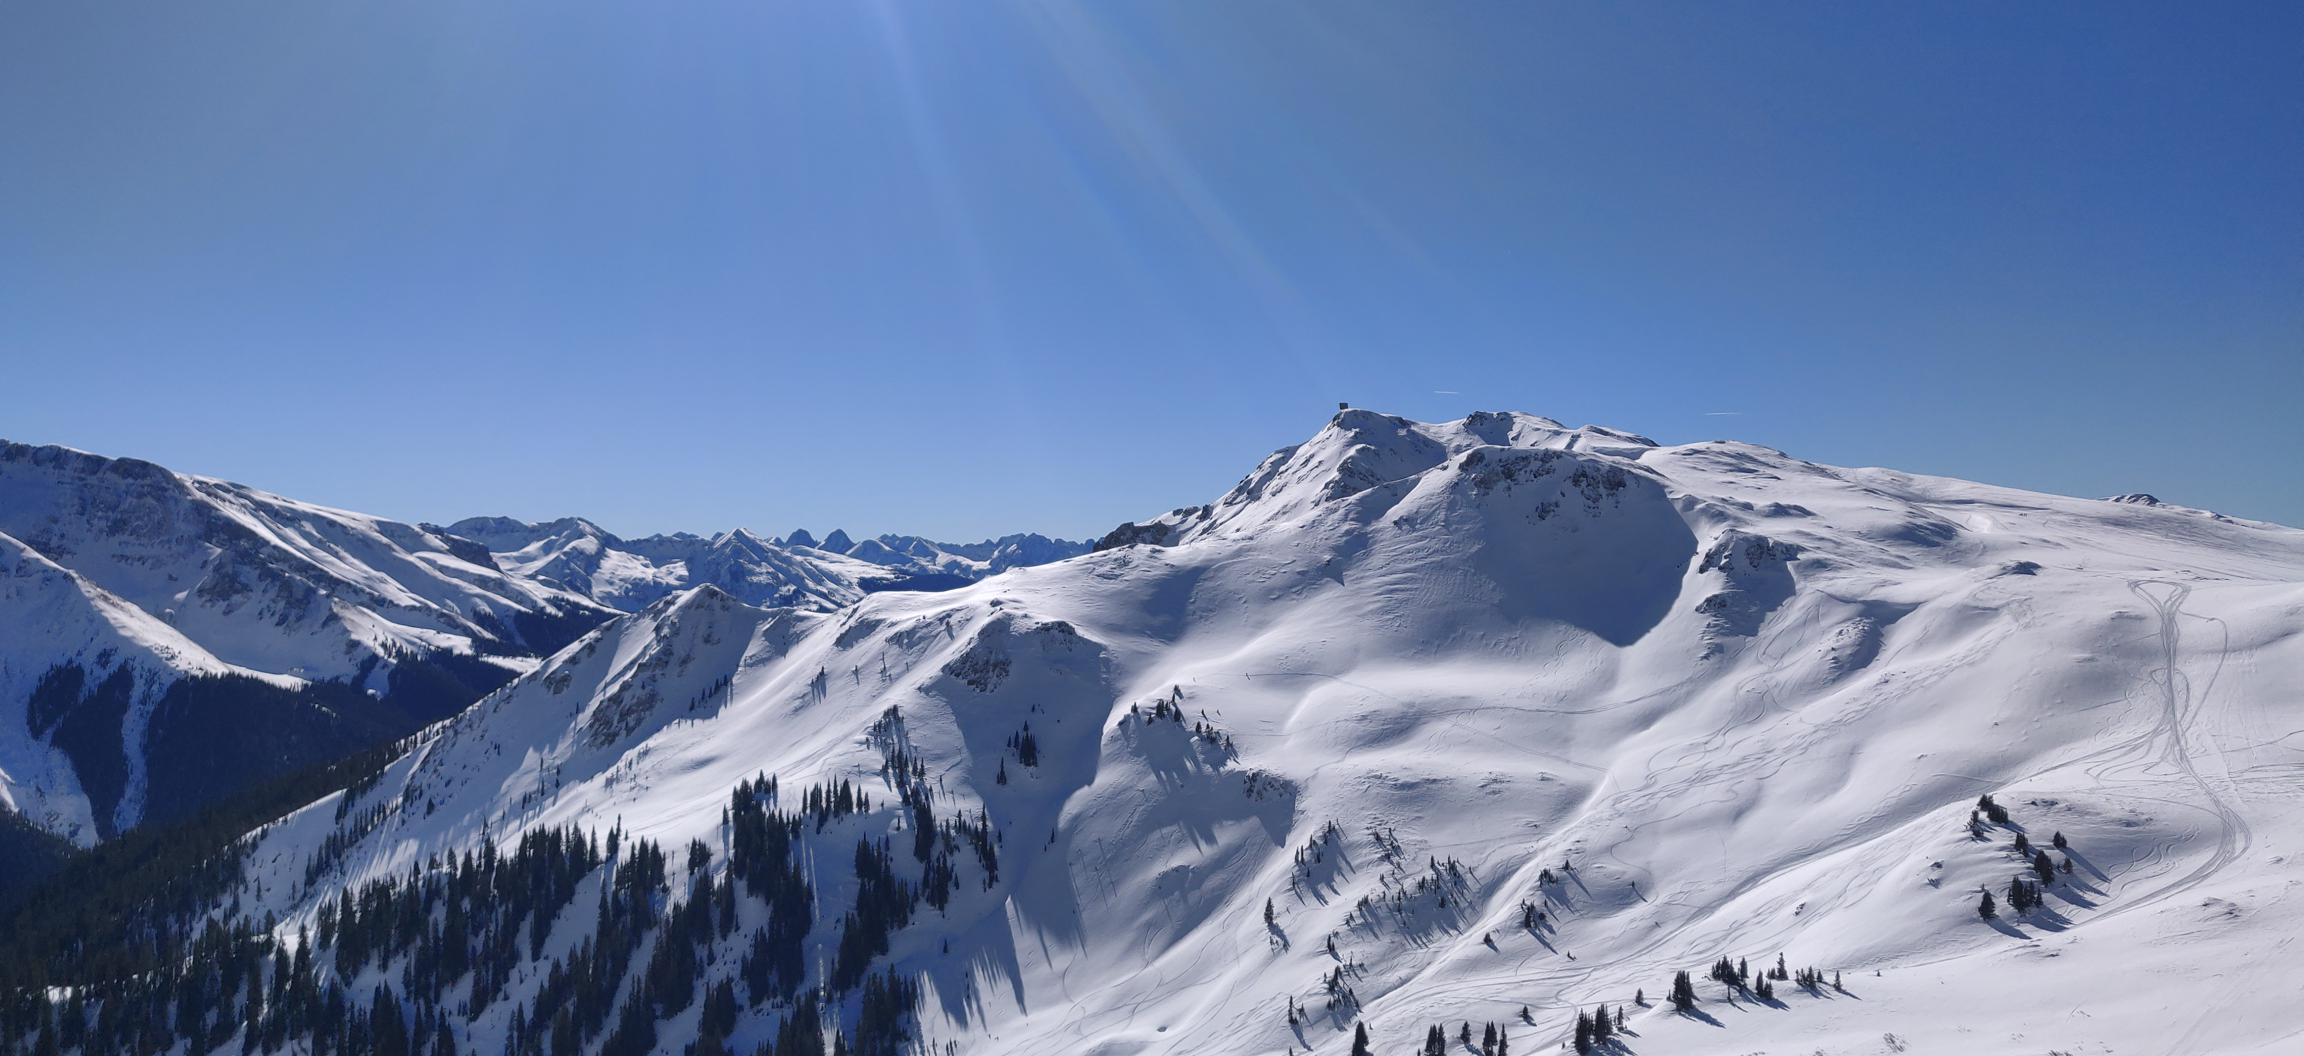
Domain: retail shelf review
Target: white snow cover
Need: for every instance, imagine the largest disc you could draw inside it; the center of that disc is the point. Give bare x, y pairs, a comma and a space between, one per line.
1735, 703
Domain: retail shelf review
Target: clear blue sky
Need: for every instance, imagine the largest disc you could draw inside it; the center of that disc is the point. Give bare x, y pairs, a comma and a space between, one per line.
961, 268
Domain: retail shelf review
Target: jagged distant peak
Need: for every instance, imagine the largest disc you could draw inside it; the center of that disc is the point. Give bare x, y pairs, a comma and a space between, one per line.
511, 533
742, 538
796, 571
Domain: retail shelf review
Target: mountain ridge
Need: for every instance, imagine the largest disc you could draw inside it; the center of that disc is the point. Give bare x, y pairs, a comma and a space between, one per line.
1478, 722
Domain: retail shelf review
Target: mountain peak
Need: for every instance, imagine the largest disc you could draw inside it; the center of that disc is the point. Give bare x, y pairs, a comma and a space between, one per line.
1360, 450
741, 537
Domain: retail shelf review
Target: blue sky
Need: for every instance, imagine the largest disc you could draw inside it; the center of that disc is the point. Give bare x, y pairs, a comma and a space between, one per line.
963, 268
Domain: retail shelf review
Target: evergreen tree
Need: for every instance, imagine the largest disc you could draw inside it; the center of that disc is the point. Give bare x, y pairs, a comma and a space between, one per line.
1985, 909
1360, 1040
1683, 995
387, 1031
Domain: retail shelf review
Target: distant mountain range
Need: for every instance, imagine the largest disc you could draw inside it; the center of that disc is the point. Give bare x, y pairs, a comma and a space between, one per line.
796, 571
174, 638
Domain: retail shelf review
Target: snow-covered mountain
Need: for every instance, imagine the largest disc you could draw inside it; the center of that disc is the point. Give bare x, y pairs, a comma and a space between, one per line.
796, 571
971, 560
172, 637
1478, 723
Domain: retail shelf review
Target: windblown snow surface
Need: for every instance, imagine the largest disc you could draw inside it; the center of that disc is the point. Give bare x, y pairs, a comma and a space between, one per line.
1736, 703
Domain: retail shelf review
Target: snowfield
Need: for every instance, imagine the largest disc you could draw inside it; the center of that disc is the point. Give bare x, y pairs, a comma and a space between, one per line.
1413, 685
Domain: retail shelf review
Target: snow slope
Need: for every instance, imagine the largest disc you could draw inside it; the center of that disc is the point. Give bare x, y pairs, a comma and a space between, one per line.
1689, 701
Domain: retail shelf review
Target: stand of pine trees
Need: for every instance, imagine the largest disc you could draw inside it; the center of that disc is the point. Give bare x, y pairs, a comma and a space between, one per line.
1594, 1028
394, 966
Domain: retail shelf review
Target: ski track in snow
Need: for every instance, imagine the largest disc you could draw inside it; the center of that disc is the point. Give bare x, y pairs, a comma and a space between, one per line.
2179, 708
